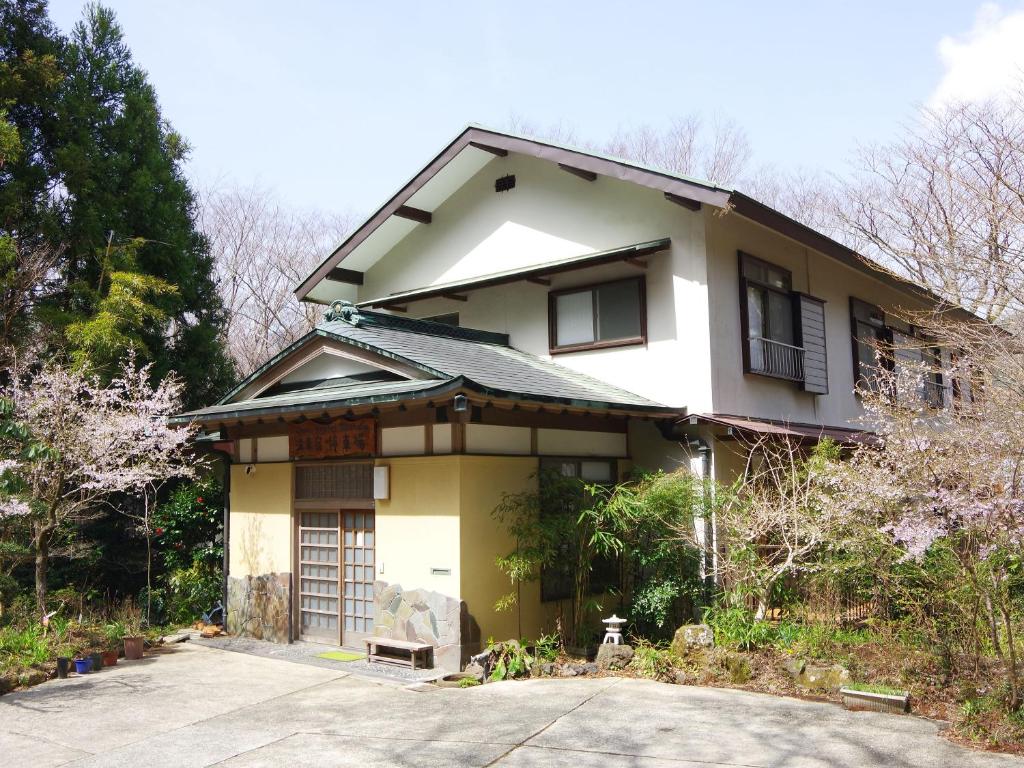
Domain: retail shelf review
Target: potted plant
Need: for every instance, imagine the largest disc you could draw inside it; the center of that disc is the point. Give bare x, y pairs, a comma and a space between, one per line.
114, 632
97, 660
82, 664
132, 634
64, 656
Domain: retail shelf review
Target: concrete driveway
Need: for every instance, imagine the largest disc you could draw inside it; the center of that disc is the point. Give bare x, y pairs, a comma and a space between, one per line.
198, 706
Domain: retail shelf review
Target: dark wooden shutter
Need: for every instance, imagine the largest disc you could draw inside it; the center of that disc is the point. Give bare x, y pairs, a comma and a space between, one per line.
810, 327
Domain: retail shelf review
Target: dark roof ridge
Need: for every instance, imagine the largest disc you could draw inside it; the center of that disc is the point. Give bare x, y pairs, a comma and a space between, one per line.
369, 318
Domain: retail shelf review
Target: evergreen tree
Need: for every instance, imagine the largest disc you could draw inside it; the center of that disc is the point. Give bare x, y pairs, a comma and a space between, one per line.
94, 174
120, 164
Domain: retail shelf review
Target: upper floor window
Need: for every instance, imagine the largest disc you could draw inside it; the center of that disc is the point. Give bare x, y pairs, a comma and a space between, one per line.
605, 315
783, 330
768, 320
885, 344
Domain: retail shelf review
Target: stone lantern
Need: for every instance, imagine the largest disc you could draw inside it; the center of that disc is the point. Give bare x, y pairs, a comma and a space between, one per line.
613, 633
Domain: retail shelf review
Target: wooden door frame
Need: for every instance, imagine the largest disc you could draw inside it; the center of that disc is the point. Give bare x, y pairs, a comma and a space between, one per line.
339, 506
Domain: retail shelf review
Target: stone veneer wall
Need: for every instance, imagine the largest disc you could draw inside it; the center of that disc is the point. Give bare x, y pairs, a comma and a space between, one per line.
258, 606
423, 616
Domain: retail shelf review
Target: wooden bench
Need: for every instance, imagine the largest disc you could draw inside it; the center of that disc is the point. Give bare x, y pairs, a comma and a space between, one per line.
374, 645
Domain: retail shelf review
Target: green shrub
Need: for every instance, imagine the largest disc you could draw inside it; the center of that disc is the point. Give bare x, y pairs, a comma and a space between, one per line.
510, 660
21, 648
819, 641
735, 627
187, 527
192, 591
654, 660
468, 682
548, 647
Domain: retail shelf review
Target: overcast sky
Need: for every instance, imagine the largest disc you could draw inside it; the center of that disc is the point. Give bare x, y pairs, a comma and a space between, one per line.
335, 104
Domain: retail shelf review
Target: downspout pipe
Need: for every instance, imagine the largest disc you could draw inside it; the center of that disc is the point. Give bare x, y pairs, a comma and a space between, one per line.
226, 532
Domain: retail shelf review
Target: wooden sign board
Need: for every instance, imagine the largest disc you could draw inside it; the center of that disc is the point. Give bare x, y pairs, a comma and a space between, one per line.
337, 440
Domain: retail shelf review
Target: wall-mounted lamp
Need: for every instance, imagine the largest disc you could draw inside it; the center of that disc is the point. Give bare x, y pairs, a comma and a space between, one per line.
460, 403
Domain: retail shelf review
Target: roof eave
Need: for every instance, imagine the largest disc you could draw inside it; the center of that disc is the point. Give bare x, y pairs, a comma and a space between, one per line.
776, 221
451, 387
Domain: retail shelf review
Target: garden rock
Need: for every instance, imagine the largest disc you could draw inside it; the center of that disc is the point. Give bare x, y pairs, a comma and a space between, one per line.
679, 677
794, 666
610, 656
692, 636
476, 670
32, 677
823, 678
737, 666
577, 670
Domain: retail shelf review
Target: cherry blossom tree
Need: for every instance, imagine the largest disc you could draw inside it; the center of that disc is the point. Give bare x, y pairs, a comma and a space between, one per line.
951, 476
69, 445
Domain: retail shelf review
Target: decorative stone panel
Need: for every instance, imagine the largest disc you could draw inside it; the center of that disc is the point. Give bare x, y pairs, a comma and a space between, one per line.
423, 616
258, 606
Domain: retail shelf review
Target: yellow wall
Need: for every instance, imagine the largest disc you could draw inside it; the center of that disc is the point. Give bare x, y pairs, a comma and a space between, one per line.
261, 521
418, 527
439, 515
484, 480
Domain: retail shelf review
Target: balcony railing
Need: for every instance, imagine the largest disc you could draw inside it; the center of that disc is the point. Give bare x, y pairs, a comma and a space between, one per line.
774, 358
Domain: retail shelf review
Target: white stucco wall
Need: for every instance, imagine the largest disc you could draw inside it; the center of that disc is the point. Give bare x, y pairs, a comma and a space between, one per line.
550, 215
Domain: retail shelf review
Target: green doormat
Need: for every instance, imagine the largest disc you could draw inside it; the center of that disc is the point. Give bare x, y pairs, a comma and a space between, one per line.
341, 656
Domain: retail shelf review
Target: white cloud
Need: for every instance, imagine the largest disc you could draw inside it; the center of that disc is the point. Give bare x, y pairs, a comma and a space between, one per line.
985, 62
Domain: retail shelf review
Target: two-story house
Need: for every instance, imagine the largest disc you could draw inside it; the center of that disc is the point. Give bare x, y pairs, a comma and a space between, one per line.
519, 305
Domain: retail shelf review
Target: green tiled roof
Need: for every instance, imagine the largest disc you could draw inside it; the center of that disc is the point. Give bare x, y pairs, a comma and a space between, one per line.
441, 349
449, 357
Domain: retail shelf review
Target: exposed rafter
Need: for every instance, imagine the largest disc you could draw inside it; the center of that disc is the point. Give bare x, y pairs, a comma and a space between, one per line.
341, 275
415, 214
588, 175
488, 148
686, 202
539, 280
456, 296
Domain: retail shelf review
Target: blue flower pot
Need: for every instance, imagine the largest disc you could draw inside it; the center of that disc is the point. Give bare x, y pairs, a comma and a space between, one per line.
83, 665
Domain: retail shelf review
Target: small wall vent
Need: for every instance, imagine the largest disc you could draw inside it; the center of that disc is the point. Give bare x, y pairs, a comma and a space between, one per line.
505, 183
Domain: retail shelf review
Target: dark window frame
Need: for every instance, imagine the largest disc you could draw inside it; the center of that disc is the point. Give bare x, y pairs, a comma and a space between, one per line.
788, 294
629, 341
885, 338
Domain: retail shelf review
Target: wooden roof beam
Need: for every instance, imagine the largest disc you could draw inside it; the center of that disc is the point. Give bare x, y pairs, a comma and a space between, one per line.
455, 296
340, 275
587, 175
498, 151
539, 280
414, 214
686, 202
